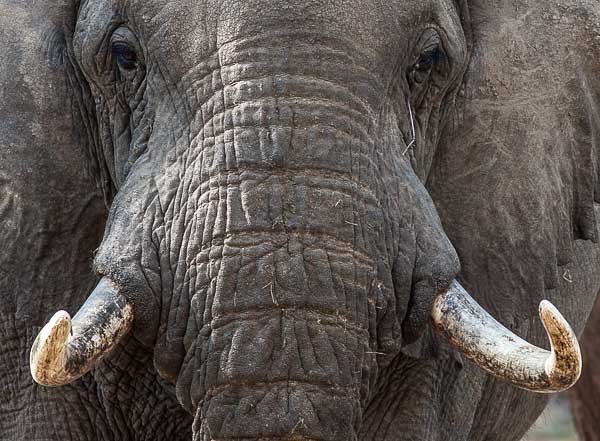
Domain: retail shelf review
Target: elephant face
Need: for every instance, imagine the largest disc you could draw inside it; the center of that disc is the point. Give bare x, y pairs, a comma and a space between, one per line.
269, 230
269, 227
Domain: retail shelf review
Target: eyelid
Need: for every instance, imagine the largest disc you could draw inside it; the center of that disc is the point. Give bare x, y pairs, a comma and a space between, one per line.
123, 40
121, 46
432, 43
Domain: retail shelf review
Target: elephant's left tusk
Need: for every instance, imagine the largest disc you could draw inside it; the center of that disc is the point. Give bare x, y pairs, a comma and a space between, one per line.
64, 351
475, 333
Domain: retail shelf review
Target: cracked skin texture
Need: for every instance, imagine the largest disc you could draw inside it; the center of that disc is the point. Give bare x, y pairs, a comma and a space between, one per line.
281, 254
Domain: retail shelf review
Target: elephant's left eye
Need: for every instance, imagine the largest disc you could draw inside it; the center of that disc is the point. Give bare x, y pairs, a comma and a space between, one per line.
430, 67
426, 62
428, 59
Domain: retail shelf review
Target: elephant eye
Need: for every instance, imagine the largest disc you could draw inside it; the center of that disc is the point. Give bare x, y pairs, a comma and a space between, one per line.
427, 61
124, 55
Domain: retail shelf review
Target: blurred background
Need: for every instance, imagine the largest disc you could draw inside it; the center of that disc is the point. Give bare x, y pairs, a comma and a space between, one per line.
555, 424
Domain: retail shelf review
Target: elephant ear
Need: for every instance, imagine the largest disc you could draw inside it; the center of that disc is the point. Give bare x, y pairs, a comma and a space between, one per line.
51, 212
515, 177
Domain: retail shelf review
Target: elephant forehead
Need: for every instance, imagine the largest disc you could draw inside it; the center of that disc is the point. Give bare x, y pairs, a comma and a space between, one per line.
372, 30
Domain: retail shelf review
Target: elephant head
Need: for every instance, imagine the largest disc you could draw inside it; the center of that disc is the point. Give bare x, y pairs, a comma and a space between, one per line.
270, 239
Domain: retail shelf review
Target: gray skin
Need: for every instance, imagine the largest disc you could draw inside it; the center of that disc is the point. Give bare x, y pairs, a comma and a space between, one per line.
52, 217
519, 198
280, 251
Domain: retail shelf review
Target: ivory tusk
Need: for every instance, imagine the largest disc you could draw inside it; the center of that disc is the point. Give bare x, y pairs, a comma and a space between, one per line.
476, 334
65, 350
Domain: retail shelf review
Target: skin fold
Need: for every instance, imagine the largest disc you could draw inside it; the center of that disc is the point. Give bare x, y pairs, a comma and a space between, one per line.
239, 171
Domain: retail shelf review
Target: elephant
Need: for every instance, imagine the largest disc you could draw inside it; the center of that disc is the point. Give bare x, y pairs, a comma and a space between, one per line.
296, 220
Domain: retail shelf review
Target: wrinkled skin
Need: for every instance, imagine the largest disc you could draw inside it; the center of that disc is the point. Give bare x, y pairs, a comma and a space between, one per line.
46, 207
52, 217
280, 251
277, 247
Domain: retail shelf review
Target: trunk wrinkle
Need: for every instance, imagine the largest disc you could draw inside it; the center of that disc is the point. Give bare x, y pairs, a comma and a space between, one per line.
336, 391
246, 171
283, 235
303, 313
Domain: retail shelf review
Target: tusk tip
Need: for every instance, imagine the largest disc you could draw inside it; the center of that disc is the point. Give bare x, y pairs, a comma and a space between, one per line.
563, 367
47, 354
66, 349
547, 309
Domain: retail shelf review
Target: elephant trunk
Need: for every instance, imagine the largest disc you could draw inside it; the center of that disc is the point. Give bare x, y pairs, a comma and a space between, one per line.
285, 347
65, 350
289, 376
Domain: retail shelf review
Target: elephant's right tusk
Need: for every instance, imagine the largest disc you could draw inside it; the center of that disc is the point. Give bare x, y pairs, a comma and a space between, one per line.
64, 351
475, 333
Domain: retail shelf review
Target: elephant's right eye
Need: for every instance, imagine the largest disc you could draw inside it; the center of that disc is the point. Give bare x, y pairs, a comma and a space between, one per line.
124, 55
429, 59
